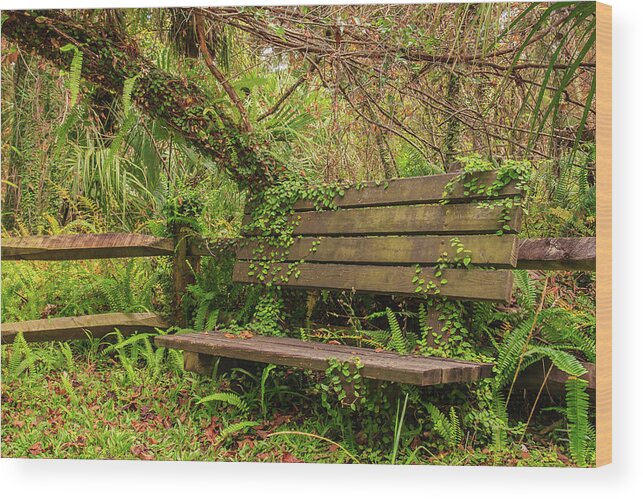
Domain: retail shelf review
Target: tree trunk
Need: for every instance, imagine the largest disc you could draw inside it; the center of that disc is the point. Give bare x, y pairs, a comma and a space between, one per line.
109, 60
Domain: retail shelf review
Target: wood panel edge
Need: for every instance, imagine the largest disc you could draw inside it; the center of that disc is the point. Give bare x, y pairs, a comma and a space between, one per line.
604, 234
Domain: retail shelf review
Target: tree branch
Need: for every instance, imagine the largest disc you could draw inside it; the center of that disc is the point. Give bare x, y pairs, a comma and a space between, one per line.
109, 61
220, 77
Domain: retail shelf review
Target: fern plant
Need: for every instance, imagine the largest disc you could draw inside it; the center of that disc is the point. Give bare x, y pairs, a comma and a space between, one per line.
399, 342
581, 438
229, 398
74, 71
448, 427
21, 359
554, 334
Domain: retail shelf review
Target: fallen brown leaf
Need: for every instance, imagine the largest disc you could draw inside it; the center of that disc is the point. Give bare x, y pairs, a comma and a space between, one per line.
18, 423
142, 452
36, 449
288, 457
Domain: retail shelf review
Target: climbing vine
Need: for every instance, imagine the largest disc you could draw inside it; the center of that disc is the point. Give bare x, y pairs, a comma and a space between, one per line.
270, 227
509, 171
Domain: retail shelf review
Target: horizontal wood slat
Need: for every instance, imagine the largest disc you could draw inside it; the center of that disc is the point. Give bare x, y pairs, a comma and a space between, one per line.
464, 284
533, 376
412, 219
74, 328
84, 246
310, 355
413, 190
558, 253
492, 250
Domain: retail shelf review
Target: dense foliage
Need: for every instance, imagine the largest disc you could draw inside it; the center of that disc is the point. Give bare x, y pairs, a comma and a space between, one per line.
146, 120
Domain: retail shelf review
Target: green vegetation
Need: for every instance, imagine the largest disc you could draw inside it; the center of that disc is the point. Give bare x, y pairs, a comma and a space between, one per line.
181, 121
85, 401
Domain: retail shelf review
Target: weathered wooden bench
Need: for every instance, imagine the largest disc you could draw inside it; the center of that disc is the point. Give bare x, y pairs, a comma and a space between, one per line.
381, 239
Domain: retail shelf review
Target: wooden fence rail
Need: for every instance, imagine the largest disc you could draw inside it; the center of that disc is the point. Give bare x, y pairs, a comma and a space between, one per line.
85, 246
78, 328
572, 253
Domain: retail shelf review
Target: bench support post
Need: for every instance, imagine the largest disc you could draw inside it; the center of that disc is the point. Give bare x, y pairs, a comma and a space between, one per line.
198, 363
203, 364
183, 269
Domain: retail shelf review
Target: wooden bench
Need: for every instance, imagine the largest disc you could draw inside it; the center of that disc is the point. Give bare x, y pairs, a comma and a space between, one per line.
386, 239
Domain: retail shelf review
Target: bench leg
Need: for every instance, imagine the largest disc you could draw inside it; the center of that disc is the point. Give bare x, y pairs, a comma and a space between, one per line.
198, 363
203, 364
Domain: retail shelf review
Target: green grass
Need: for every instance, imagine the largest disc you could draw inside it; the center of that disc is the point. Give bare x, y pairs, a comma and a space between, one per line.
89, 405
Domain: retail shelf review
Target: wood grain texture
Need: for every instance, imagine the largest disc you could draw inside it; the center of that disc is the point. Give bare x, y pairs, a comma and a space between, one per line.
415, 190
558, 253
491, 250
76, 328
385, 366
604, 234
575, 253
84, 246
412, 219
464, 284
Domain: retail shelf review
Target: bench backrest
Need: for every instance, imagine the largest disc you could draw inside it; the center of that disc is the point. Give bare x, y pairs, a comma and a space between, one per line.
391, 238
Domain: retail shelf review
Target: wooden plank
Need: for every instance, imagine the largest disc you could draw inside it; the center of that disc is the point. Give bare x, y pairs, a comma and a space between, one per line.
531, 253
84, 246
464, 284
412, 219
75, 328
461, 370
355, 351
604, 233
558, 253
413, 190
532, 377
491, 250
310, 355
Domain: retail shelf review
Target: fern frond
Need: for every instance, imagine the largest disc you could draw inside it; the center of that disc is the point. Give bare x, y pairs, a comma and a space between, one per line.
509, 352
501, 423
236, 428
228, 397
212, 320
455, 431
74, 71
425, 329
578, 419
528, 295
22, 358
441, 423
562, 360
399, 340
128, 87
264, 379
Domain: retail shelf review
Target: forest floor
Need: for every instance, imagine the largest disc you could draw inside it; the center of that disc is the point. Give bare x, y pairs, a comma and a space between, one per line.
83, 403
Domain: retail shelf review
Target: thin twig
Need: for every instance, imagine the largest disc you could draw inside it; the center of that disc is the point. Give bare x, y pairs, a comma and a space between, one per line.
529, 336
533, 407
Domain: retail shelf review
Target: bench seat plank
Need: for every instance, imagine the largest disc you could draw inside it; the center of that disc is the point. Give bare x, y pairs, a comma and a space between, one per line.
489, 250
385, 366
462, 284
75, 328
